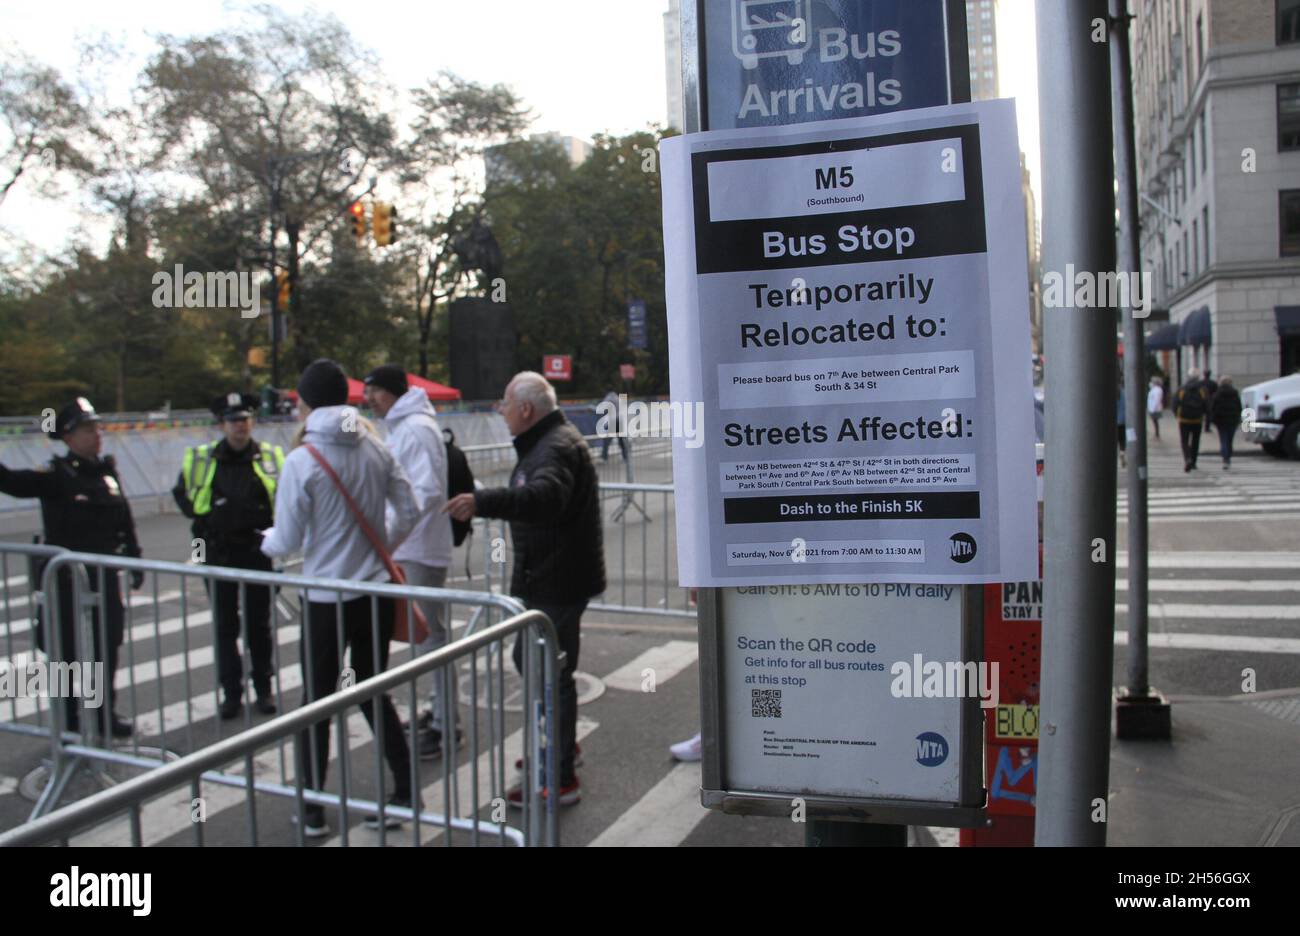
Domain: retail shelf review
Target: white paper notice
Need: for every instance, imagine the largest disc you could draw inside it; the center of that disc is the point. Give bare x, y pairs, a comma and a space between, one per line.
847, 301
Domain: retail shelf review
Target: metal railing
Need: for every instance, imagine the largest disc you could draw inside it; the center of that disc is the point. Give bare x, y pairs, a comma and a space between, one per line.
640, 553
160, 687
540, 823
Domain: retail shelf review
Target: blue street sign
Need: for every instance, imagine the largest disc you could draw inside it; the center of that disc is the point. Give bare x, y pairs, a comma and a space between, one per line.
636, 335
773, 62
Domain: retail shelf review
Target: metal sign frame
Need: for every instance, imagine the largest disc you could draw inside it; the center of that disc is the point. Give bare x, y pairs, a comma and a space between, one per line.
716, 790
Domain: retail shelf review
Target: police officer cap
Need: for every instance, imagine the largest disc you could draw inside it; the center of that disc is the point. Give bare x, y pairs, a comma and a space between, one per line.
232, 405
72, 416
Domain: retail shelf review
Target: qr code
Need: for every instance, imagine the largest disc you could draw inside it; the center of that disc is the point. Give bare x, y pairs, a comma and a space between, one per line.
766, 703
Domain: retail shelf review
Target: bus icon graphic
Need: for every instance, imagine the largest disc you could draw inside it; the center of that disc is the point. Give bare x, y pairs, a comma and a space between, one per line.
770, 29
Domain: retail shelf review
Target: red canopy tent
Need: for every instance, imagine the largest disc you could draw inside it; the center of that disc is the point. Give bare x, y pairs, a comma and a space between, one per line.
356, 393
357, 390
435, 390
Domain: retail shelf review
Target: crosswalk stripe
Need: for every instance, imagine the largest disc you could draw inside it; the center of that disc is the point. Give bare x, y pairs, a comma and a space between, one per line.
18, 626
1239, 613
1215, 585
1216, 509
1177, 559
1237, 516
664, 817
434, 797
664, 662
1215, 642
166, 815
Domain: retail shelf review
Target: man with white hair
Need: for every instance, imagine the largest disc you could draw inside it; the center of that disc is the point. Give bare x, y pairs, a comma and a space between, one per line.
553, 506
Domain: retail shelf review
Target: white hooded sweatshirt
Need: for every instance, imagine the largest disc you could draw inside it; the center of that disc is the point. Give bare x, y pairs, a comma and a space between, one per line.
311, 515
415, 439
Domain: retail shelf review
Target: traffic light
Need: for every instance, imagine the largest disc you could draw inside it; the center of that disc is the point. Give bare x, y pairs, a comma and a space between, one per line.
392, 224
282, 289
358, 212
383, 230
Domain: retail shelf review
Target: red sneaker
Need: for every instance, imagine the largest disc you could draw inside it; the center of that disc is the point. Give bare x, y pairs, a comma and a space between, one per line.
570, 793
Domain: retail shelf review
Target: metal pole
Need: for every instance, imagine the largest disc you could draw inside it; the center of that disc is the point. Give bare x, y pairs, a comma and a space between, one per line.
1079, 540
1140, 713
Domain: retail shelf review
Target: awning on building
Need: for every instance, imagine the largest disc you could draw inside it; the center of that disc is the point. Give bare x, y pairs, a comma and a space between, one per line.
1195, 328
1164, 338
1288, 320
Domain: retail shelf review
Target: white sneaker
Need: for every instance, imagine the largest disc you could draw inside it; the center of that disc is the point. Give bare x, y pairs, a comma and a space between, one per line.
687, 750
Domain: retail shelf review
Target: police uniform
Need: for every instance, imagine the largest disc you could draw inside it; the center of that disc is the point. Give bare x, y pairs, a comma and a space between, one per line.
229, 495
83, 509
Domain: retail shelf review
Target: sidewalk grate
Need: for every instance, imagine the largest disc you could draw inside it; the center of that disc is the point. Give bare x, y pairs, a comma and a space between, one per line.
1285, 709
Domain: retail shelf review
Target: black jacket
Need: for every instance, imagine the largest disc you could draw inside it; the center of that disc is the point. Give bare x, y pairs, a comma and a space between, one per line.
82, 503
1225, 407
553, 506
240, 510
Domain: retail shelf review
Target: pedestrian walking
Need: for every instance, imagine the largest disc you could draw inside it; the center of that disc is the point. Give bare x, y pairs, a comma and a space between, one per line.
553, 506
341, 458
1225, 411
228, 489
415, 439
1156, 403
613, 429
83, 509
1121, 427
1211, 388
1191, 404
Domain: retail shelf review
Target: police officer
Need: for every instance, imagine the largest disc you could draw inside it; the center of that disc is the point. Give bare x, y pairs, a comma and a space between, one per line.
84, 509
228, 489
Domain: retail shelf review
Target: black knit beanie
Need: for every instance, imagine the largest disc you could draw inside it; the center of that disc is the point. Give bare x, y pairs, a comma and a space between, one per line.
323, 383
389, 377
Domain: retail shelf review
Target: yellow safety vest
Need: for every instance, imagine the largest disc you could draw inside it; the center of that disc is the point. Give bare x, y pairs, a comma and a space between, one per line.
199, 469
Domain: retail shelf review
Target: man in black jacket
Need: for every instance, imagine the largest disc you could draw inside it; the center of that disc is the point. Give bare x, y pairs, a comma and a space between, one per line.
553, 506
228, 489
84, 510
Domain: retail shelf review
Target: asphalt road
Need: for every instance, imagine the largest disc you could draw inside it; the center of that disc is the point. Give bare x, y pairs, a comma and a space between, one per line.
1225, 550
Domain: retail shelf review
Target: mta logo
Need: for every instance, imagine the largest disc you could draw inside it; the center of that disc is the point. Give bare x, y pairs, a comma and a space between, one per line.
962, 547
931, 749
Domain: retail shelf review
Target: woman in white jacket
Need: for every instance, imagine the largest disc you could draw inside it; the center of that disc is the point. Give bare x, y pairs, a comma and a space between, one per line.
312, 515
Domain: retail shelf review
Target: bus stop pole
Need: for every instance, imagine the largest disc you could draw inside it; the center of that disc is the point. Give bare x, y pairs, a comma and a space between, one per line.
1139, 711
1079, 467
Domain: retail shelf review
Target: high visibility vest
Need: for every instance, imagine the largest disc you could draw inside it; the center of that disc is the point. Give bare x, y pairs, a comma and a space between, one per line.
199, 469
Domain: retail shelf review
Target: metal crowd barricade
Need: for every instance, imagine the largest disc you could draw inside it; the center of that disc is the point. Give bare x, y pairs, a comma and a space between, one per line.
20, 613
640, 553
159, 691
540, 817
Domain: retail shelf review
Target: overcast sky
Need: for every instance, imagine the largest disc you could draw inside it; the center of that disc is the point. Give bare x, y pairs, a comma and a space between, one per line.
583, 66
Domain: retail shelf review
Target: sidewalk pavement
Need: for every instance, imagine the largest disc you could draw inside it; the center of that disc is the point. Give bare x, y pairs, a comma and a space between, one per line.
1230, 775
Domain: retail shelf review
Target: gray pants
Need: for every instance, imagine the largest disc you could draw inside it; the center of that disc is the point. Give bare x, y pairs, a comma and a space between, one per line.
435, 613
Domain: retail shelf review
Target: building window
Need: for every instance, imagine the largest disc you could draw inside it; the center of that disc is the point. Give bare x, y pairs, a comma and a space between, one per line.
1196, 249
1288, 21
1191, 159
1200, 43
1288, 117
1289, 222
1205, 232
1204, 120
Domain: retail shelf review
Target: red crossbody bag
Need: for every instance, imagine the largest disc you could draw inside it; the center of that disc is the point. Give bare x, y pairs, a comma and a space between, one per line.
400, 631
